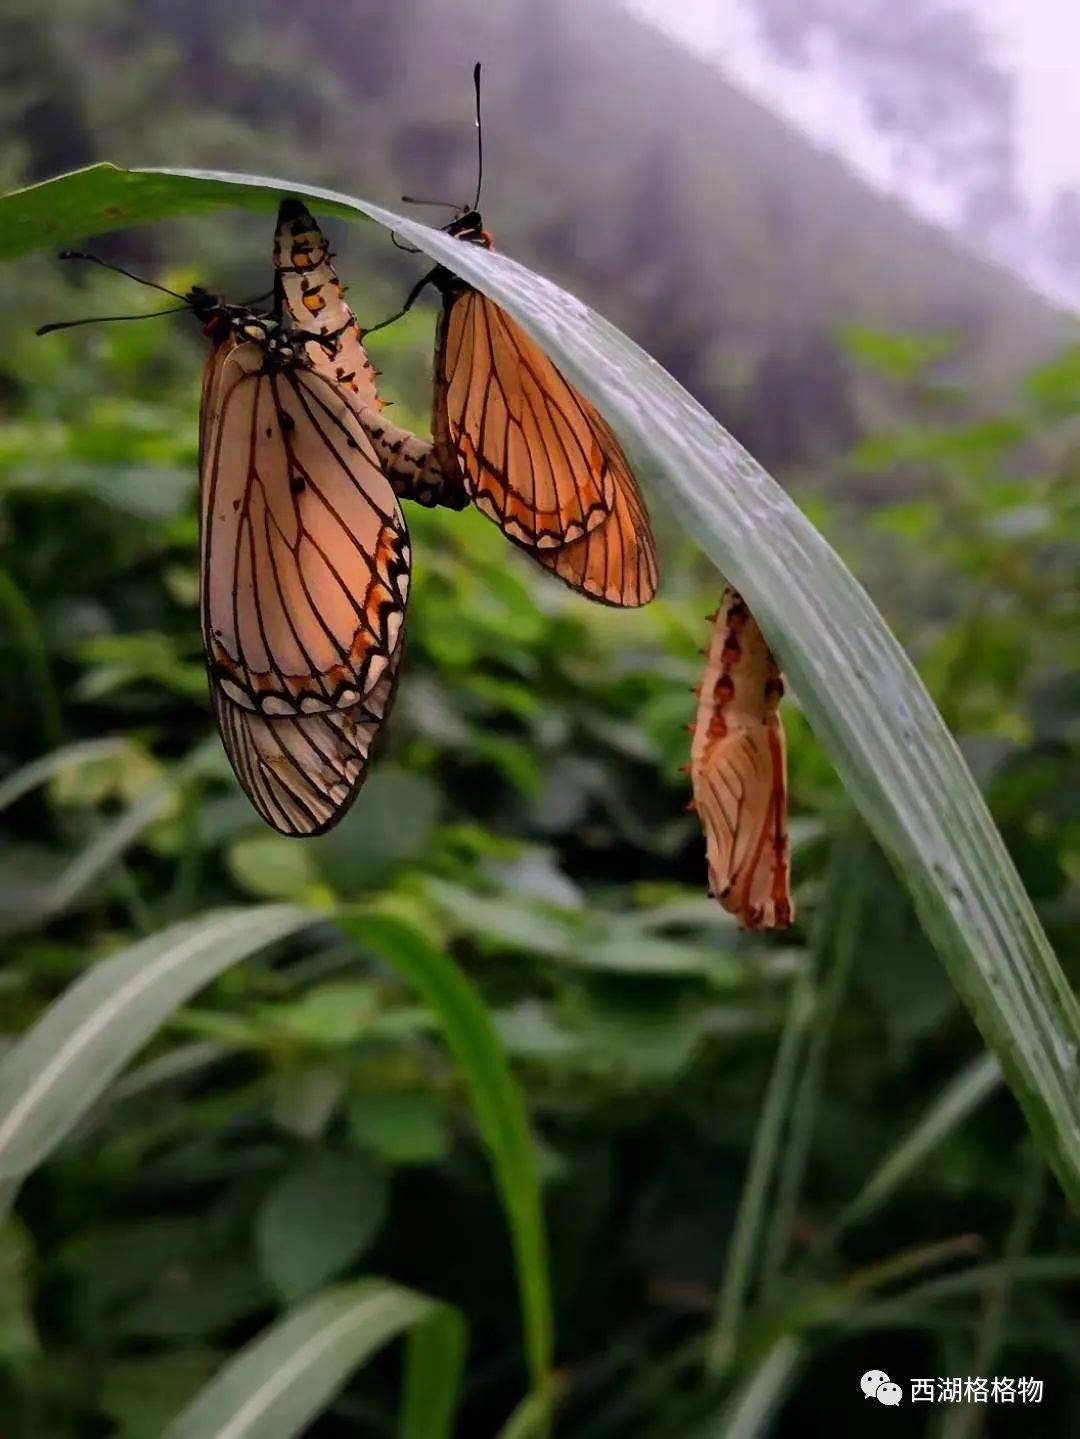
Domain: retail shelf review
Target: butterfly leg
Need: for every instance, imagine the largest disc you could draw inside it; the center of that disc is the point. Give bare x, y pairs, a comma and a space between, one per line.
410, 300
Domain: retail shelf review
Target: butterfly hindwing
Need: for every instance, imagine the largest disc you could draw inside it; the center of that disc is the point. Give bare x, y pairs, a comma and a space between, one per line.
535, 456
303, 772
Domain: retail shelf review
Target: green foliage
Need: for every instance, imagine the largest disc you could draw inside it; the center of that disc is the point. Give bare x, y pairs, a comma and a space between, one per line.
525, 818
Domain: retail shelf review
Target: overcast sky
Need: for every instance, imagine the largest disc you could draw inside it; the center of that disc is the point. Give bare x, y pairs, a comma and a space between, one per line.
1037, 41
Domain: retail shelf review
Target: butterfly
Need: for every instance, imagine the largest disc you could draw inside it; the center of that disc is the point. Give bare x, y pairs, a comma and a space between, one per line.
304, 563
527, 447
304, 574
738, 769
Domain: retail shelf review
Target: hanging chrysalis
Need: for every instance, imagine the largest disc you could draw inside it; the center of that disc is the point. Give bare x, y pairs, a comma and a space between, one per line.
738, 769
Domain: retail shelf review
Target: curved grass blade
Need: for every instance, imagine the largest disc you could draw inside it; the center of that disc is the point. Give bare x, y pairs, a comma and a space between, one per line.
83, 1040
281, 1380
859, 690
39, 771
497, 1103
957, 1100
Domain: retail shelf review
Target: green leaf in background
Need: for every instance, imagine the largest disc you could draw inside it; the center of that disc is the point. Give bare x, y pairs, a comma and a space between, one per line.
317, 1220
860, 692
399, 1128
389, 829
58, 762
18, 1339
56, 1071
270, 867
281, 1380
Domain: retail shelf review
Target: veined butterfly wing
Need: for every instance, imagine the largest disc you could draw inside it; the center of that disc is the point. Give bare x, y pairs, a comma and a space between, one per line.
527, 443
535, 455
305, 555
303, 772
738, 768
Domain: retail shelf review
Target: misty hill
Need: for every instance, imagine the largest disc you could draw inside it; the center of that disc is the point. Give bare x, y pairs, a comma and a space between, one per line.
628, 169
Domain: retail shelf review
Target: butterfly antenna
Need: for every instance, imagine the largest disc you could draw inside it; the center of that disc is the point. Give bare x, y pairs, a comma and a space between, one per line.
442, 204
479, 138
117, 269
107, 319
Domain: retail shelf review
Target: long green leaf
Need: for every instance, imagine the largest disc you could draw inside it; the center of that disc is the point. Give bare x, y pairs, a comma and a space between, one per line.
497, 1103
83, 1040
858, 688
282, 1379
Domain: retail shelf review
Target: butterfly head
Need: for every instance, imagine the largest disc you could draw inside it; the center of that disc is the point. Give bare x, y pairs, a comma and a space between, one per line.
468, 225
219, 320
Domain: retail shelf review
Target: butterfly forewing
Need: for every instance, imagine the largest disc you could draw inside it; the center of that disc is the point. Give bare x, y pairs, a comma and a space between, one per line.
305, 556
528, 444
738, 767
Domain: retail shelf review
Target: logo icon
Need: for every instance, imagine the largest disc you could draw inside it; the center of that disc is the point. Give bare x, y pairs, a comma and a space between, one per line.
876, 1384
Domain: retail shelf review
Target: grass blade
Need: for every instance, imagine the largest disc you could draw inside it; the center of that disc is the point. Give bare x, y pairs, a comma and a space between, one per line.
859, 690
434, 1364
497, 1103
959, 1099
752, 1408
83, 1040
282, 1379
40, 771
746, 1236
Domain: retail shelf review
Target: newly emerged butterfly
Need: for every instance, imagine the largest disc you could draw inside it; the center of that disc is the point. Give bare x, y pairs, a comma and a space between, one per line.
531, 452
738, 769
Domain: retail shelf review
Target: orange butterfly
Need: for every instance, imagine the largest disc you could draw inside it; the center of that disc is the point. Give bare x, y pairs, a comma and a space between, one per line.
531, 452
304, 573
738, 769
305, 558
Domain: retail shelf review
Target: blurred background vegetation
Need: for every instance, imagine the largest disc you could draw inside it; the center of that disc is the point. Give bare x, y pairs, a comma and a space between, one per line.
299, 1121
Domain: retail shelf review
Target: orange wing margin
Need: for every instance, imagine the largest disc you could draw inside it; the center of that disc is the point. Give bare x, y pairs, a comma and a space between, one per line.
738, 768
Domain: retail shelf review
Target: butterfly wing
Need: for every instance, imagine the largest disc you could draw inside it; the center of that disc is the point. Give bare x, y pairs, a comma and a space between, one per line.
303, 772
616, 562
738, 768
305, 555
534, 454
